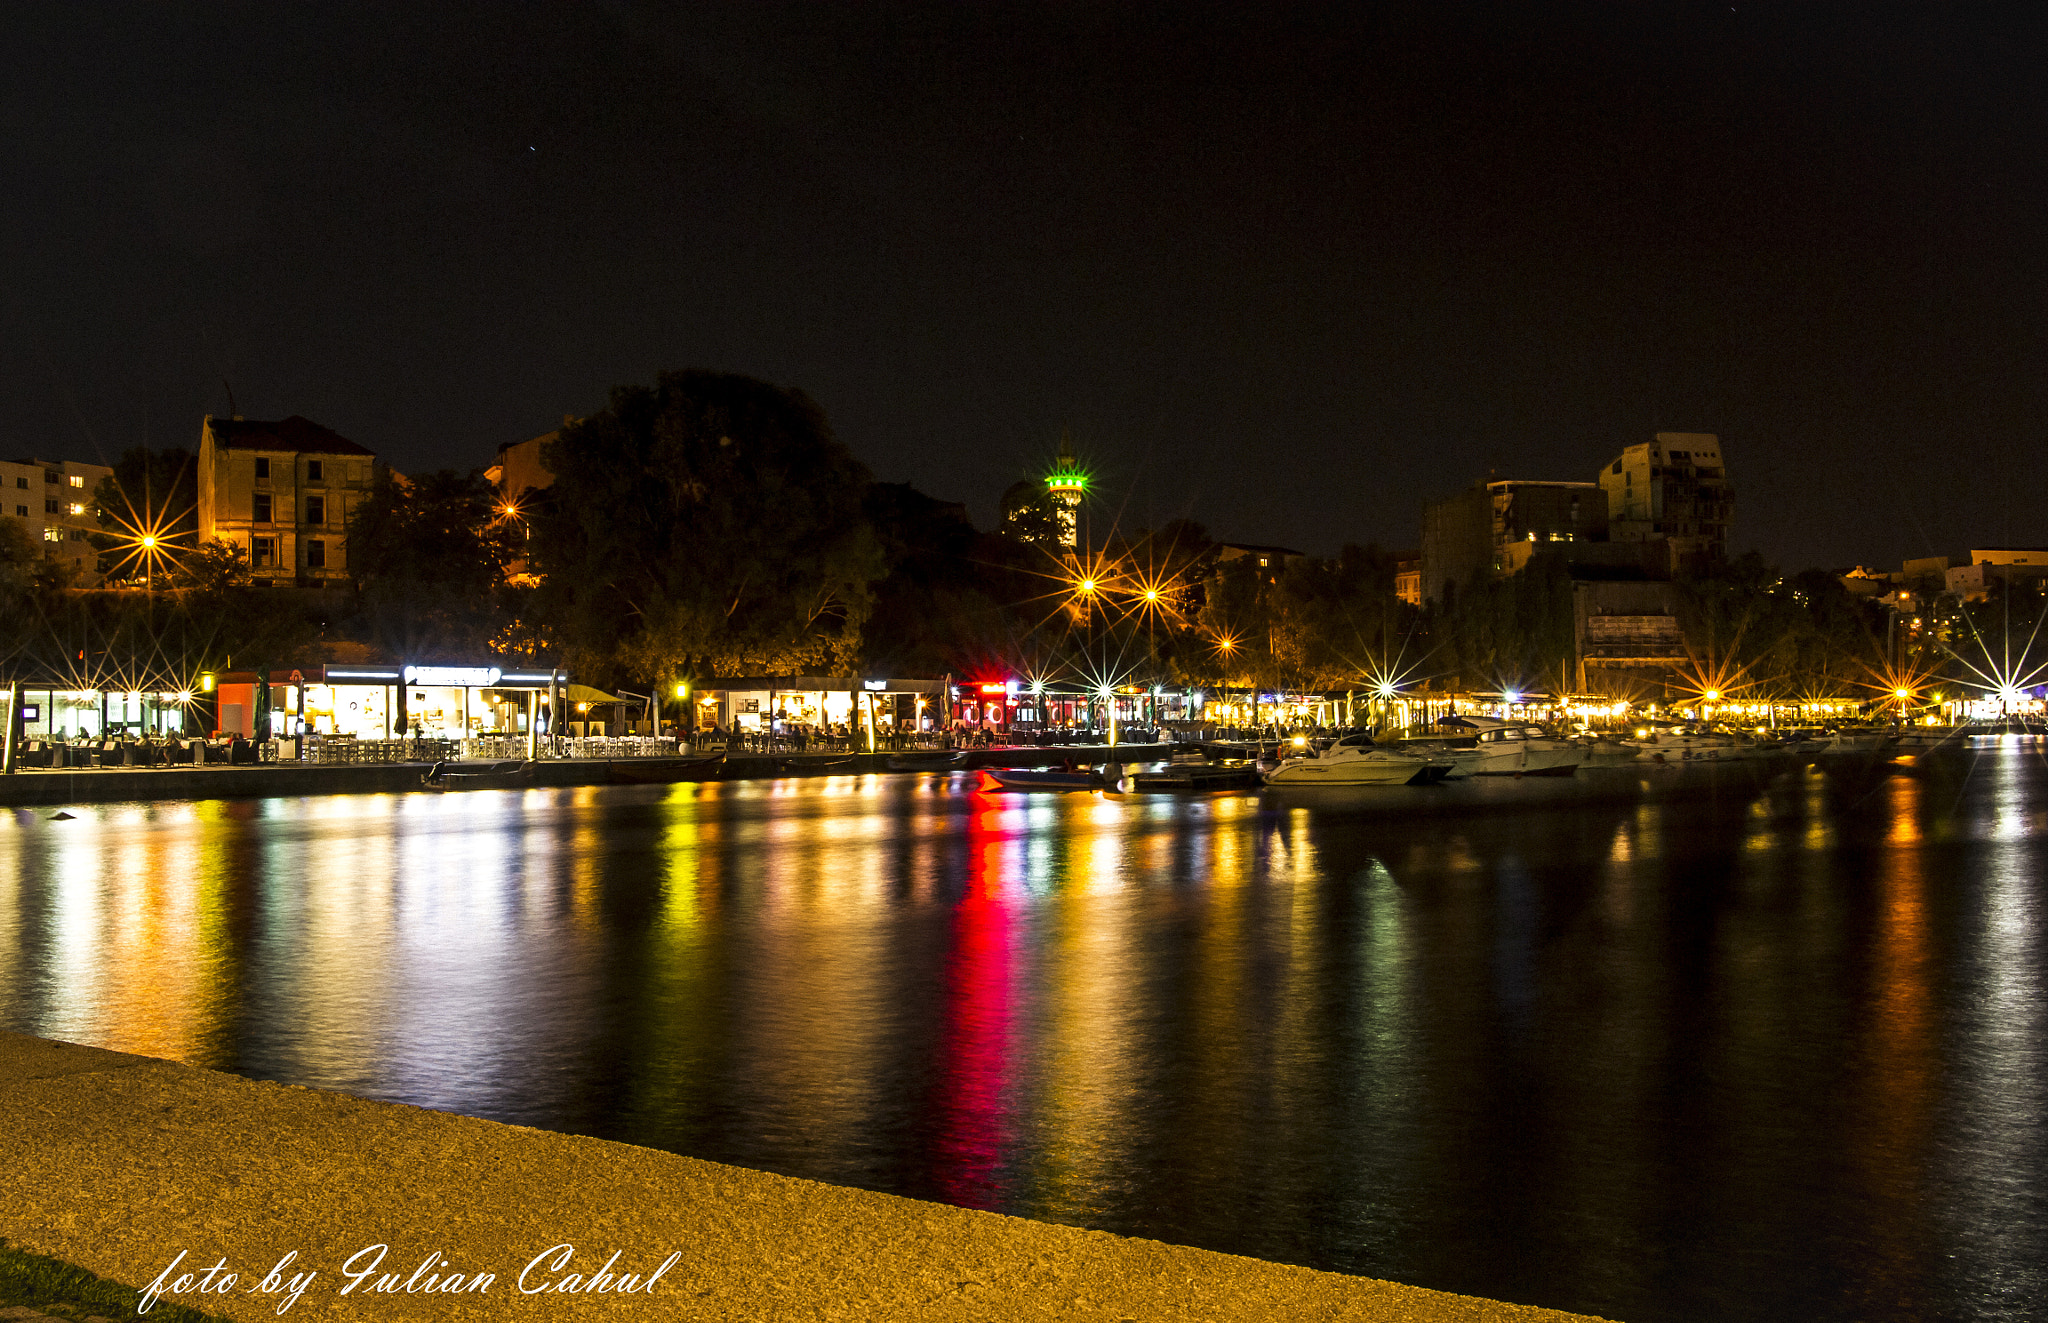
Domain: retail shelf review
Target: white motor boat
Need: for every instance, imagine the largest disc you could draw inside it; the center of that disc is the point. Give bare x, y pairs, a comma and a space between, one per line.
1464, 756
1605, 751
1857, 739
1356, 761
1516, 748
1669, 742
1920, 739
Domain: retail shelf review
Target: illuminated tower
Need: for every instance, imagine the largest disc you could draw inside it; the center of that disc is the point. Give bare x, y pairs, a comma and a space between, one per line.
1067, 484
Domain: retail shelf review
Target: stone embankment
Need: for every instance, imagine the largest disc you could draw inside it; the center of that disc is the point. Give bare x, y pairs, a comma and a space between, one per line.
321, 1205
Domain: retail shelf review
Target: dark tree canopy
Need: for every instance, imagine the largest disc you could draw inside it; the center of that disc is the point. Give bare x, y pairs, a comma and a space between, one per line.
428, 557
709, 524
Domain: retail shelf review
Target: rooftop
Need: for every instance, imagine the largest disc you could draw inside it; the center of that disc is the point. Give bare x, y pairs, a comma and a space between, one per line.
294, 434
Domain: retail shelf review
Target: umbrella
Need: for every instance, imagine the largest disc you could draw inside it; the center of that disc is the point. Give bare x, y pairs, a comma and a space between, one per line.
262, 704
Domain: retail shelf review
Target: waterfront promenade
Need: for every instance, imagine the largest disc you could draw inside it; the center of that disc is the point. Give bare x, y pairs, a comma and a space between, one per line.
119, 1163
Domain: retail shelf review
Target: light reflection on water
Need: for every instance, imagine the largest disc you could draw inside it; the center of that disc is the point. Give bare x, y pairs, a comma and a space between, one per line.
1737, 1043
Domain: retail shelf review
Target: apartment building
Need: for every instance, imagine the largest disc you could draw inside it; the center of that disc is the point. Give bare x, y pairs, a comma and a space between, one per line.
1672, 488
53, 498
1495, 527
282, 491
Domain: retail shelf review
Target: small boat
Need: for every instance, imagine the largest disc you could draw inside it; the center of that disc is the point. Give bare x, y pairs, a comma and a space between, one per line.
935, 760
664, 771
1206, 777
1851, 737
500, 776
1046, 778
1356, 761
813, 763
1605, 751
1676, 742
1920, 739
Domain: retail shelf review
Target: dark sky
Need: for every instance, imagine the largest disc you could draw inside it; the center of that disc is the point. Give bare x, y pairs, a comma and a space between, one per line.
1291, 271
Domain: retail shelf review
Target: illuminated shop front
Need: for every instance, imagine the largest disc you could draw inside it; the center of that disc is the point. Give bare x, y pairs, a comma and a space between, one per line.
383, 702
818, 703
435, 702
90, 714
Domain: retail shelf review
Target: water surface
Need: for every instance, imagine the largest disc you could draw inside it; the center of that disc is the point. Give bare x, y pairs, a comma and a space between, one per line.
1752, 1042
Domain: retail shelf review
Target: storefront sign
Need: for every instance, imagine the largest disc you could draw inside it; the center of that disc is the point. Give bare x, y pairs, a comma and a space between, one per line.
874, 685
455, 677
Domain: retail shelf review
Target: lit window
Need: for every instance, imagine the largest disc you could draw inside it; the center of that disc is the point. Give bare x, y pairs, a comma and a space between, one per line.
53, 535
77, 481
77, 509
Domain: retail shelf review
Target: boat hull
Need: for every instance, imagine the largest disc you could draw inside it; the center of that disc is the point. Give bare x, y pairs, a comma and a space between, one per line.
1200, 780
1355, 772
514, 777
1526, 759
1040, 779
929, 762
665, 771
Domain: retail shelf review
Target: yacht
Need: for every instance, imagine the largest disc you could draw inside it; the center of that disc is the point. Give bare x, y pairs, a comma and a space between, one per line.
1852, 737
1919, 739
1674, 742
1461, 752
1356, 761
1516, 748
1605, 750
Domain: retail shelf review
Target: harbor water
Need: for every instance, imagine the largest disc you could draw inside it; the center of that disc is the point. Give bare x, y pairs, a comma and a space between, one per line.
1756, 1040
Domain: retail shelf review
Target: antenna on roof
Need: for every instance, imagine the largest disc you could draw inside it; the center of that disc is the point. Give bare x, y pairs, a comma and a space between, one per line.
233, 412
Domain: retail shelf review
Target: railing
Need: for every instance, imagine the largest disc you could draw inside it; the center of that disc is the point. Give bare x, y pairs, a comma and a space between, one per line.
613, 746
499, 748
383, 751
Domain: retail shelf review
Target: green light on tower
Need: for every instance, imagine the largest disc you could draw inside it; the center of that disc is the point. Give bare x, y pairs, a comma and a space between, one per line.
1067, 484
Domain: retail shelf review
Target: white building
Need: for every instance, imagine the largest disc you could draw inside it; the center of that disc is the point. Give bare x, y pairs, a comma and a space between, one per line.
53, 498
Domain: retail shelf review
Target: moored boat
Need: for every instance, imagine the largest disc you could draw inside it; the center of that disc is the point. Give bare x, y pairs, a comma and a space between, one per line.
1356, 761
500, 776
664, 771
1046, 778
811, 762
935, 760
1517, 748
1201, 777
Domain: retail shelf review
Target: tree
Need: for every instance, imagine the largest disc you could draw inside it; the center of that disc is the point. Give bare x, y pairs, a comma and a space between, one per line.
215, 566
709, 524
428, 557
1509, 633
1030, 514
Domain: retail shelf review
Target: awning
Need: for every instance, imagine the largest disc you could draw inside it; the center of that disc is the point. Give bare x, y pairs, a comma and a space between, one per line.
583, 693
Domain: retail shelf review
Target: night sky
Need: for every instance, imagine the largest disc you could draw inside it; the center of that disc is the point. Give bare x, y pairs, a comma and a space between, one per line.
1288, 271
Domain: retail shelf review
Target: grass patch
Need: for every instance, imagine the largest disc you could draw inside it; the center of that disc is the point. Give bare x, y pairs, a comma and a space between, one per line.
65, 1290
